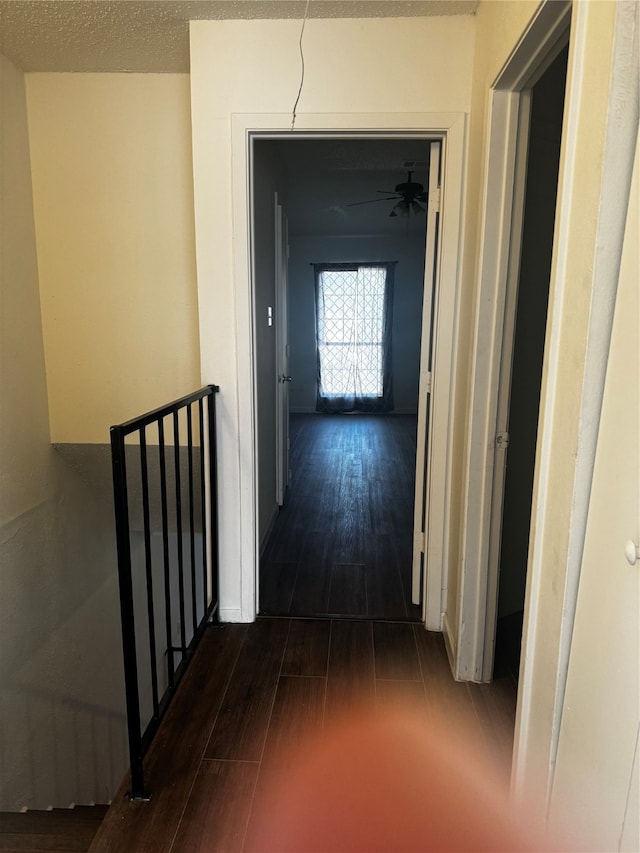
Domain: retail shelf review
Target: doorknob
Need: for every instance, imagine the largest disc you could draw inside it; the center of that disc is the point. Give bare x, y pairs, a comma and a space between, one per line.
284, 378
632, 552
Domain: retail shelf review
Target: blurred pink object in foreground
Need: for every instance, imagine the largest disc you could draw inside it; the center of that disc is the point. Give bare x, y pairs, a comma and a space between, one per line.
389, 781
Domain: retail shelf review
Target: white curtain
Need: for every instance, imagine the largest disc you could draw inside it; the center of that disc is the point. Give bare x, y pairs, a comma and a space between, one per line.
353, 326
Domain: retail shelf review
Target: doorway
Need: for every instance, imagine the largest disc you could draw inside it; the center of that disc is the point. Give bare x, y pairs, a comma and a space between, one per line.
228, 315
520, 392
488, 437
342, 542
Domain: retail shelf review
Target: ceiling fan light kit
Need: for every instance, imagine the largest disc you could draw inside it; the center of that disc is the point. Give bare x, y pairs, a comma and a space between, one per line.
402, 208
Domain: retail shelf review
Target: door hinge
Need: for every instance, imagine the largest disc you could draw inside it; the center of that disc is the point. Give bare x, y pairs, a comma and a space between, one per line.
502, 440
419, 541
428, 382
434, 200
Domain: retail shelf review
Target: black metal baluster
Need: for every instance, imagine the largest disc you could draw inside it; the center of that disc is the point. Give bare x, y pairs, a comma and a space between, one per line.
213, 497
176, 456
123, 545
149, 569
205, 561
165, 547
192, 526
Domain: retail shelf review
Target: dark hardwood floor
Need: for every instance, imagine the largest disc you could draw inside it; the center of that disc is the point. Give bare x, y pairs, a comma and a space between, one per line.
341, 545
256, 696
58, 829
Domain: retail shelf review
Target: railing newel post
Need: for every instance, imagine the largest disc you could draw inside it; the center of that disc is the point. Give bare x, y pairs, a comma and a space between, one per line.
203, 505
213, 499
123, 548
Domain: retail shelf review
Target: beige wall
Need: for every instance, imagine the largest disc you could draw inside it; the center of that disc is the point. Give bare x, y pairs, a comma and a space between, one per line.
583, 278
570, 393
62, 729
25, 422
113, 203
259, 63
600, 724
99, 323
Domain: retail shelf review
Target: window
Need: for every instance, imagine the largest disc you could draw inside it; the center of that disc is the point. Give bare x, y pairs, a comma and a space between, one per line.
353, 323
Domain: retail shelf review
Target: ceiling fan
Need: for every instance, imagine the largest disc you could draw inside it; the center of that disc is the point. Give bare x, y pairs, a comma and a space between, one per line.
407, 196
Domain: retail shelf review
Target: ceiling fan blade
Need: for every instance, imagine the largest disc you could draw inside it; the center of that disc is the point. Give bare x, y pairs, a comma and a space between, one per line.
371, 201
389, 192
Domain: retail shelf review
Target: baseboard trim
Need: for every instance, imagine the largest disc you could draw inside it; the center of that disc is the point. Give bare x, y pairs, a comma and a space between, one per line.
230, 614
449, 644
300, 411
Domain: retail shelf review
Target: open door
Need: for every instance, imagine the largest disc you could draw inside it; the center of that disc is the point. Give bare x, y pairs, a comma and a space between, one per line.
420, 574
282, 353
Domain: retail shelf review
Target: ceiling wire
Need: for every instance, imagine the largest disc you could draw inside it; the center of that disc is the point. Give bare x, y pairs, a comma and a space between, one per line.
295, 106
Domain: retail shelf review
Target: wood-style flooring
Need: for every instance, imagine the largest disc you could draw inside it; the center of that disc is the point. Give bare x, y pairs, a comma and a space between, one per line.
255, 691
341, 545
340, 548
59, 829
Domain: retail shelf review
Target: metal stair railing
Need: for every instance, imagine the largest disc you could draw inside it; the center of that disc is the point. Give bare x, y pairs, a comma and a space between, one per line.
165, 496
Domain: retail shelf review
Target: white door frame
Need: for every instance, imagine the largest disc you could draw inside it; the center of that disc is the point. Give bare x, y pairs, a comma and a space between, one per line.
450, 128
502, 222
426, 585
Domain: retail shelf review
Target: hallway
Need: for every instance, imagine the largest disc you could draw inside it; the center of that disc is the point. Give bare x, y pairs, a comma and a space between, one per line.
259, 696
253, 691
341, 545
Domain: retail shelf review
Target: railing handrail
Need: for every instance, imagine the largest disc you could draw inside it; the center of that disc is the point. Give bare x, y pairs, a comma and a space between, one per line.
139, 740
148, 418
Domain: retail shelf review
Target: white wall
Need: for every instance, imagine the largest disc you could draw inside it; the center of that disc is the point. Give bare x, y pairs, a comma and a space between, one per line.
113, 204
408, 250
253, 67
62, 727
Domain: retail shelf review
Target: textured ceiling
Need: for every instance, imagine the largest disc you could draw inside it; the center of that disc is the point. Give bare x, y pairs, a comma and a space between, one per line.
153, 35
